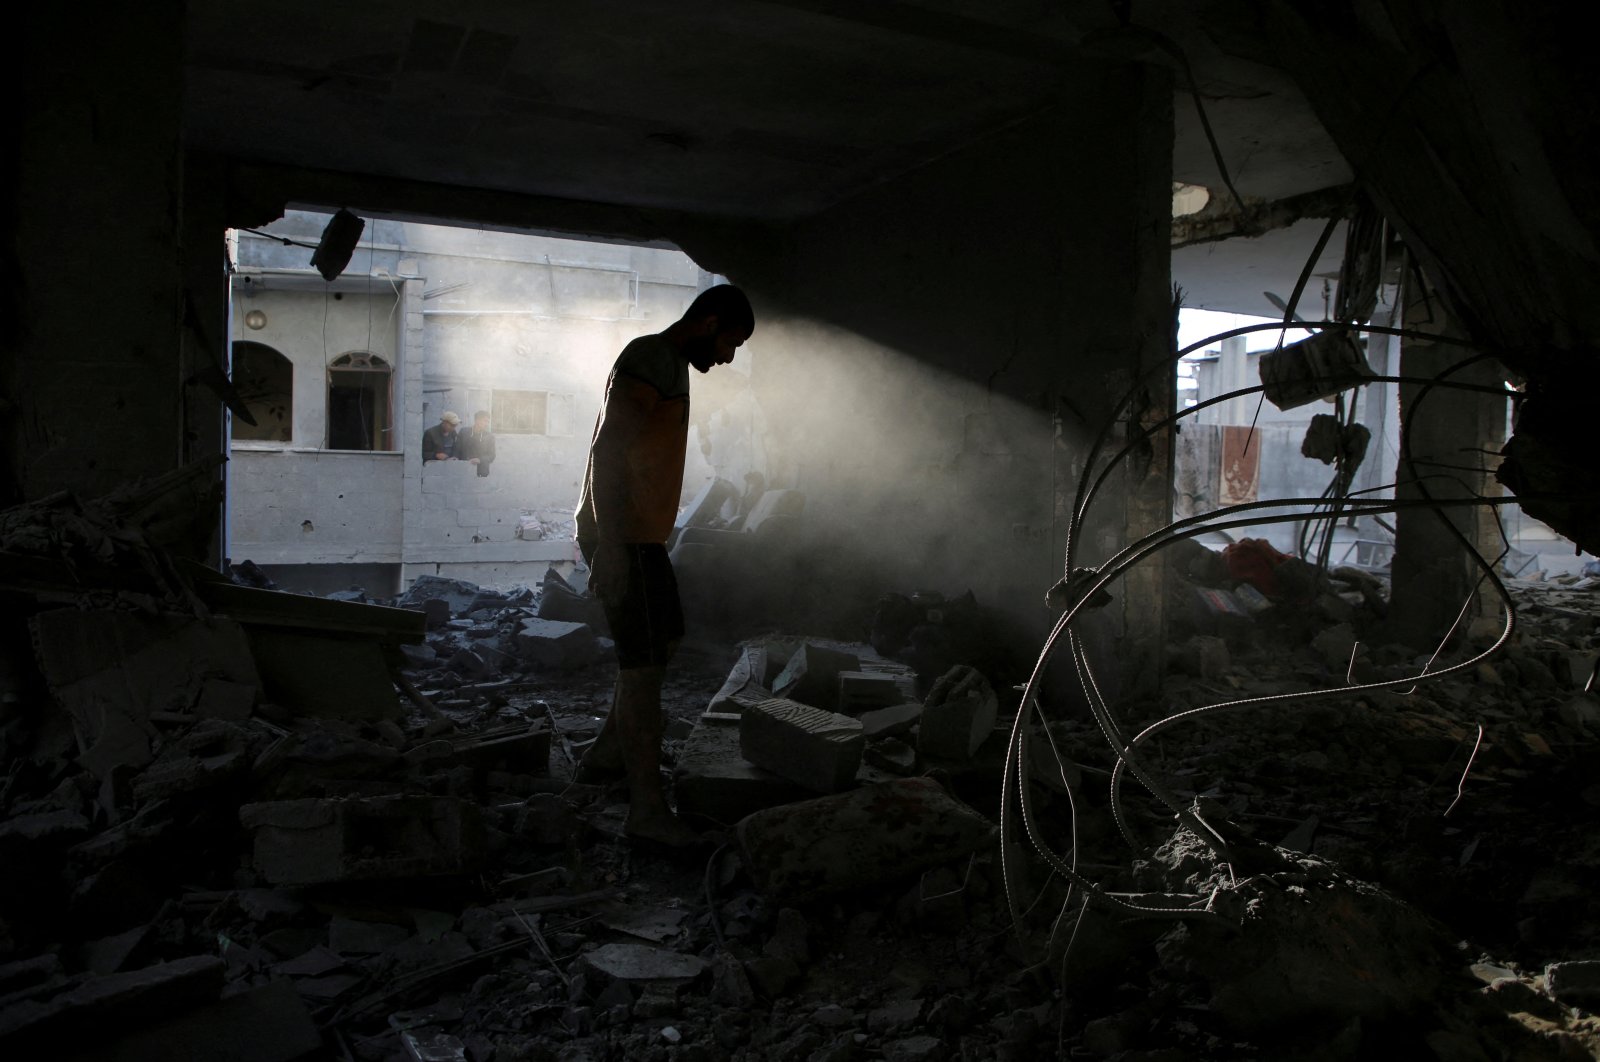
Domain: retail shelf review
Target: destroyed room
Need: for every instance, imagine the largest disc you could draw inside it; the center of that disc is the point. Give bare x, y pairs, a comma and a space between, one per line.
789, 531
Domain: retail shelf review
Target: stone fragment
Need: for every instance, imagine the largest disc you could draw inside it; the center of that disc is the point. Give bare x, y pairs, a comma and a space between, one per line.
315, 841
1335, 645
639, 963
418, 655
893, 1016
1204, 655
858, 839
556, 644
812, 675
730, 984
433, 1046
958, 716
222, 698
746, 684
713, 781
892, 721
1574, 982
545, 819
862, 691
435, 612
457, 594
914, 1049
790, 939
892, 755
770, 976
810, 747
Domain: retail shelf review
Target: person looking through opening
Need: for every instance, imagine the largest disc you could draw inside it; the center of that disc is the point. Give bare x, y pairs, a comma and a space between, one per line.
439, 442
626, 511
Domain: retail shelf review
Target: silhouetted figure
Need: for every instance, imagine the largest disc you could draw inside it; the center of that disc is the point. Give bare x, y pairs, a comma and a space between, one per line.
440, 441
625, 513
477, 443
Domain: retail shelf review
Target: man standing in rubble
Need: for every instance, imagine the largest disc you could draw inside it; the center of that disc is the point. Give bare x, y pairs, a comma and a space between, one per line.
625, 513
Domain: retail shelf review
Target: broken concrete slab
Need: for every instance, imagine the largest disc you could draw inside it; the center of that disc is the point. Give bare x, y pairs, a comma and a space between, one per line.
457, 594
713, 781
315, 673
813, 748
435, 612
314, 841
357, 936
812, 675
640, 963
746, 684
863, 691
958, 715
1574, 983
105, 1002
892, 721
418, 655
868, 836
267, 1024
556, 644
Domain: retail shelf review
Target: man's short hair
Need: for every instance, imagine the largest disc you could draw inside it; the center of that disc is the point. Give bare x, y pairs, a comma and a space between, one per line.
728, 305
481, 414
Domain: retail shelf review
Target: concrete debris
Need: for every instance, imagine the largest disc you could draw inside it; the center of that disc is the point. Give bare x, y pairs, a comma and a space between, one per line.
812, 676
892, 721
713, 782
309, 842
859, 839
812, 748
746, 686
1574, 982
99, 1005
958, 716
640, 963
556, 645
862, 691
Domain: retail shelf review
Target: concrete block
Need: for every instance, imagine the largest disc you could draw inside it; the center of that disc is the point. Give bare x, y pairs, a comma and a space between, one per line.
746, 684
315, 841
888, 722
456, 593
861, 691
557, 644
816, 749
958, 715
858, 840
714, 782
812, 676
1574, 982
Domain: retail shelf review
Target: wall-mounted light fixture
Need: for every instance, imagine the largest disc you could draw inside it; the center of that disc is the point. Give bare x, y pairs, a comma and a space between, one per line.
338, 243
255, 319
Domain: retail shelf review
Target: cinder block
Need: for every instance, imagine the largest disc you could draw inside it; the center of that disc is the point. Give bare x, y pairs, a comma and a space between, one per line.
714, 782
861, 691
958, 715
557, 644
812, 676
818, 750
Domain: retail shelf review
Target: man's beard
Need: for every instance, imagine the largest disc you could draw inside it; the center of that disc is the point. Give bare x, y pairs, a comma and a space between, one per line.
702, 353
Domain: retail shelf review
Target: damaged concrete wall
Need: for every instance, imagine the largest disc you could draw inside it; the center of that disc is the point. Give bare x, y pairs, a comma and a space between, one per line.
93, 373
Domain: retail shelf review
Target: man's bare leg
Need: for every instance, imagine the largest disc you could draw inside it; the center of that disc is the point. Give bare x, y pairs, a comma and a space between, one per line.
602, 760
639, 727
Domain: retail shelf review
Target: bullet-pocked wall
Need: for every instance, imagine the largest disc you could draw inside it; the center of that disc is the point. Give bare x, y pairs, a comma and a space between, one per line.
934, 355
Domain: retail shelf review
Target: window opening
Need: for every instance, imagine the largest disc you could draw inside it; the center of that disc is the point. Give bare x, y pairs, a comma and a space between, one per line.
358, 403
264, 379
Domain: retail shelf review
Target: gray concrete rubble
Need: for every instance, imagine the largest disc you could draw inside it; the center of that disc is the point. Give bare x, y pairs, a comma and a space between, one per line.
748, 683
958, 716
810, 747
713, 781
556, 644
309, 842
812, 675
856, 840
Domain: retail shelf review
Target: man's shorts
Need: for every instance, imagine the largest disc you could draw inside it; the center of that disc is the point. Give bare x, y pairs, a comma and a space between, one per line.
647, 623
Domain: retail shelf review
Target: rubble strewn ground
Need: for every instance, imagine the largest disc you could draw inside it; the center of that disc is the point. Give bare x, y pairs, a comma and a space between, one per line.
196, 862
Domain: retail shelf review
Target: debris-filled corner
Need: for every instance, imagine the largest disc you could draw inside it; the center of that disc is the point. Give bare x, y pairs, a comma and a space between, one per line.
272, 826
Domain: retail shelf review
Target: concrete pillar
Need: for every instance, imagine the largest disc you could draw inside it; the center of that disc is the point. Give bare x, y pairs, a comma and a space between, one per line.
94, 372
410, 420
1434, 574
1233, 374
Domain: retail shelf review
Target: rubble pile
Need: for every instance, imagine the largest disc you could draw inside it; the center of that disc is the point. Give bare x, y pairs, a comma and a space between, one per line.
270, 827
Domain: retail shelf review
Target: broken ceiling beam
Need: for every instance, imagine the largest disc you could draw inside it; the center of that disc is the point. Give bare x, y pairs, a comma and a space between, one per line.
1222, 220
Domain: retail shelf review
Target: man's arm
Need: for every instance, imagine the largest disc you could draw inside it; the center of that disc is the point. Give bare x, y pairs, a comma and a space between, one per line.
629, 402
